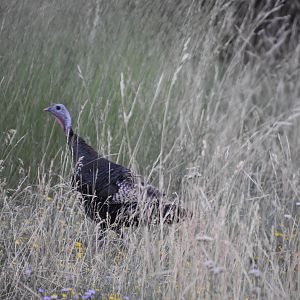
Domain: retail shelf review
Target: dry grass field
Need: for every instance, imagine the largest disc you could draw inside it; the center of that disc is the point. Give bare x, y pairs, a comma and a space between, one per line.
201, 97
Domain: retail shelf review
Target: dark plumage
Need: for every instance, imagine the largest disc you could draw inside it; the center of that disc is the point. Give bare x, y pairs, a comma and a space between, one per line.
111, 194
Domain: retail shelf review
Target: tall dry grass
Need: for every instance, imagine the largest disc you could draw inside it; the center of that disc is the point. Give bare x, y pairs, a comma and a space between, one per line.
149, 86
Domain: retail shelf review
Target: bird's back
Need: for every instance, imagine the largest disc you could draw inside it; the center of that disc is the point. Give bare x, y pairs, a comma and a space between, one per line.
111, 192
99, 180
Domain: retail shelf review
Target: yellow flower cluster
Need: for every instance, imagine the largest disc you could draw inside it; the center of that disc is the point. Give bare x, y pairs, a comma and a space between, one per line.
80, 251
114, 297
19, 241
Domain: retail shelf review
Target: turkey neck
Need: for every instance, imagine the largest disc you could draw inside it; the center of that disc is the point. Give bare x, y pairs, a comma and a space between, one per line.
80, 149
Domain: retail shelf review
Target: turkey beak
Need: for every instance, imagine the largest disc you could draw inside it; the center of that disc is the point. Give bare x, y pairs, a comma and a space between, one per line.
47, 109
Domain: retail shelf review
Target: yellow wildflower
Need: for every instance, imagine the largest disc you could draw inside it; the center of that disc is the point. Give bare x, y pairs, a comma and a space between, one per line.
281, 234
79, 255
114, 297
278, 234
78, 245
19, 241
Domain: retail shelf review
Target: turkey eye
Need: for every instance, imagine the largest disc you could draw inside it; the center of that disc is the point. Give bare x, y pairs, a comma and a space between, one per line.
57, 107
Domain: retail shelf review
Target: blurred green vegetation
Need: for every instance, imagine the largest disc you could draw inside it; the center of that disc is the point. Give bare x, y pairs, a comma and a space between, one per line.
74, 53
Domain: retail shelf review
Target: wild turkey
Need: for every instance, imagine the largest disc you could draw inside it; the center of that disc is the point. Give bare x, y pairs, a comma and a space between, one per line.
112, 194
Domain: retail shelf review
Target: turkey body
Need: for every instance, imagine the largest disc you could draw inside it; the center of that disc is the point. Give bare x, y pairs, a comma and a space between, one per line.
111, 194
